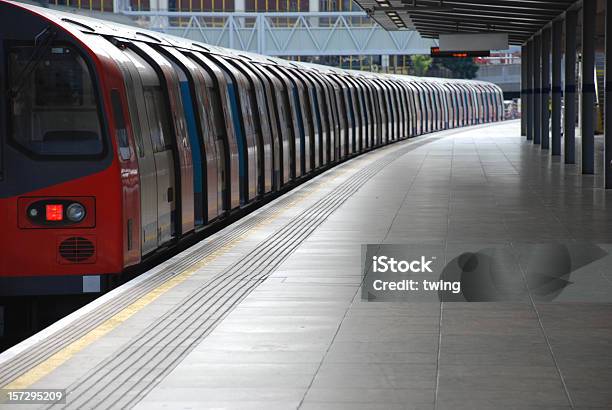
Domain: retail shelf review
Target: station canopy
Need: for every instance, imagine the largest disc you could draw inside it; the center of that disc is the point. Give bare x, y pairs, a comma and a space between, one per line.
519, 18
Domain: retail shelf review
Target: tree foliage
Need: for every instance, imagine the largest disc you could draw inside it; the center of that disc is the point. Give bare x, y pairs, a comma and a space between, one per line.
421, 64
460, 67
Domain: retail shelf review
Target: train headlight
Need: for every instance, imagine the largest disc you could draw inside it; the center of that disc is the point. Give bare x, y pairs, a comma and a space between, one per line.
75, 212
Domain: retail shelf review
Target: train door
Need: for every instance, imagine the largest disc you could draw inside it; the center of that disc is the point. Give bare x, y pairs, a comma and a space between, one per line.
485, 104
314, 89
304, 118
349, 143
482, 102
242, 115
383, 113
206, 158
426, 105
452, 113
167, 100
456, 104
287, 109
375, 97
462, 95
371, 110
133, 78
343, 117
323, 116
441, 105
158, 155
270, 85
422, 98
403, 104
453, 106
391, 110
365, 114
334, 124
360, 120
399, 102
473, 104
193, 132
283, 116
356, 109
491, 96
361, 90
461, 102
223, 126
500, 104
487, 98
420, 105
328, 113
447, 114
395, 122
433, 106
261, 126
411, 109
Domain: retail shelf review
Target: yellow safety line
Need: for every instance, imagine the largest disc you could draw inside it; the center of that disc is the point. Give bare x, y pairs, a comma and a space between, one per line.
57, 359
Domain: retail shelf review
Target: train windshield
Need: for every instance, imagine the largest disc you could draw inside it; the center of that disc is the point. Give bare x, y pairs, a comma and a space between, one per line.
54, 109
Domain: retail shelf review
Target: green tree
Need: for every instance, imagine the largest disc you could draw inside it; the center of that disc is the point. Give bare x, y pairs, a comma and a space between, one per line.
460, 67
421, 64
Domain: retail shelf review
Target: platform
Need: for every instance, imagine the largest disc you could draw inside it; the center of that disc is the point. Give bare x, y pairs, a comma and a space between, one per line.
268, 313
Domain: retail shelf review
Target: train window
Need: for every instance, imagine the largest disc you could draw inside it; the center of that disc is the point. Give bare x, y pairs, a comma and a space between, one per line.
53, 104
158, 119
120, 130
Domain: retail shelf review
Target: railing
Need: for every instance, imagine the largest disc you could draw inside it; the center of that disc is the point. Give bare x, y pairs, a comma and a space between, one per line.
287, 34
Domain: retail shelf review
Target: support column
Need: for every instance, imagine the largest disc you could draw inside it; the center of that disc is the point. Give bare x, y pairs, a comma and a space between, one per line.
545, 99
557, 32
537, 89
569, 114
239, 7
608, 100
524, 63
529, 109
313, 7
588, 86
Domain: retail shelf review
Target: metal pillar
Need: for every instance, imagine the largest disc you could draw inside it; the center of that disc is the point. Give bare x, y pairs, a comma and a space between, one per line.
557, 29
608, 101
569, 114
537, 89
524, 63
588, 86
529, 108
545, 99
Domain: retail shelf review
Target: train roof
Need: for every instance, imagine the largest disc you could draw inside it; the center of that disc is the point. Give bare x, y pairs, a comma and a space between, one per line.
82, 26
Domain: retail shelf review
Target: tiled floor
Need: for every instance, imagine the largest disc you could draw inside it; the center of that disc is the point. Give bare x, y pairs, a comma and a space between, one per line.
304, 338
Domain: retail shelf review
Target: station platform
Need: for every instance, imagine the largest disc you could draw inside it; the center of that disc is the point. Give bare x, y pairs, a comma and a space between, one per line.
268, 313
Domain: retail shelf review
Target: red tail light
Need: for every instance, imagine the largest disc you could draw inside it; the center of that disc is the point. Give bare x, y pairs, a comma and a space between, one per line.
54, 212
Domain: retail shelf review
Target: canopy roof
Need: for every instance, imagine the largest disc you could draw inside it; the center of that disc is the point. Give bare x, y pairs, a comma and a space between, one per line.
519, 18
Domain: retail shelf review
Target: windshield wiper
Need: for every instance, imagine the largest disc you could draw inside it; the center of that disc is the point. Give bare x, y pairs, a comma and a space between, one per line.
41, 40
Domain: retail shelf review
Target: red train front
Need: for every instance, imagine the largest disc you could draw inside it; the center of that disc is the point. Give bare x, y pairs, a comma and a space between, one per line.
61, 184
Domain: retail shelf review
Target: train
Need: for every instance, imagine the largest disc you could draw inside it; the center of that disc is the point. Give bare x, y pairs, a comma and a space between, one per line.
117, 143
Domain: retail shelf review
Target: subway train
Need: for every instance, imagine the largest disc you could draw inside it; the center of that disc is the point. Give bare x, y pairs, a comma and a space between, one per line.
117, 142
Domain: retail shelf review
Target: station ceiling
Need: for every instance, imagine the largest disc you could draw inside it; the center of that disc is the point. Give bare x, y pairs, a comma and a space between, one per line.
519, 18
